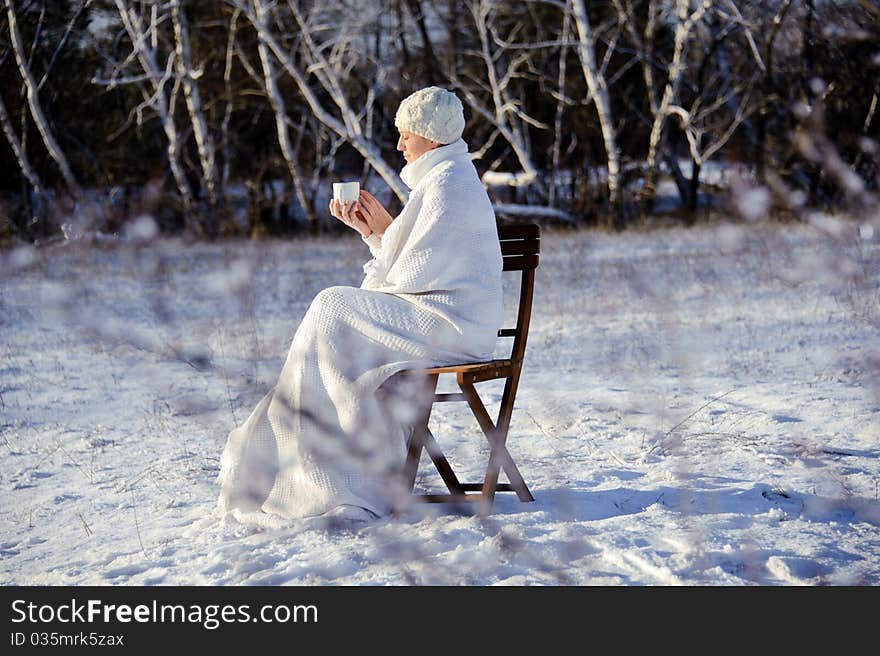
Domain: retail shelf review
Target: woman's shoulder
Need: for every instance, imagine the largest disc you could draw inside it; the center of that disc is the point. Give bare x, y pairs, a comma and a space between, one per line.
454, 174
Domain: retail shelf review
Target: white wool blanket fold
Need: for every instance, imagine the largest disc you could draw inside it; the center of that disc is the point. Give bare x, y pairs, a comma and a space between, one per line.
324, 436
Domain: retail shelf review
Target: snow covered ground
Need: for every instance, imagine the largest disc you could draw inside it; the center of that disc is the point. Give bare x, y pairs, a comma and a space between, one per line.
698, 407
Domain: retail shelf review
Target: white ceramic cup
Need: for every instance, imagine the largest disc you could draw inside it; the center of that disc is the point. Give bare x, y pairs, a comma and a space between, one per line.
346, 191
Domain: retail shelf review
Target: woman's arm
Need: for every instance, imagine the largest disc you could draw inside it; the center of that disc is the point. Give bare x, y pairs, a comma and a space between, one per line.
378, 219
374, 242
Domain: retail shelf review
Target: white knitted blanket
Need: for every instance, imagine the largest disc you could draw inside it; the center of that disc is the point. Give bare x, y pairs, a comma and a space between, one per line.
323, 436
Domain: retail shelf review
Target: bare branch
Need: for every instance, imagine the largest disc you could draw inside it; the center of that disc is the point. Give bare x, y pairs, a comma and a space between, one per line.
34, 103
17, 148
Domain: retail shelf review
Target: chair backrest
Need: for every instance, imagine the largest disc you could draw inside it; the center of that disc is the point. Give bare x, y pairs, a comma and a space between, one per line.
520, 248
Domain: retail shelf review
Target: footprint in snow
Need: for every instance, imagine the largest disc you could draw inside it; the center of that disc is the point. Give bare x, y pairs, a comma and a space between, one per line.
781, 499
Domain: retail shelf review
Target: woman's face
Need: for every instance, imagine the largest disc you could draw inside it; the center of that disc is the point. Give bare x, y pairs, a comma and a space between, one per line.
413, 146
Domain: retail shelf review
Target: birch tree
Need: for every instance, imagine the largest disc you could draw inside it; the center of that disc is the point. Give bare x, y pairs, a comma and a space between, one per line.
562, 70
685, 19
719, 106
145, 49
18, 149
282, 120
187, 76
33, 101
227, 89
598, 88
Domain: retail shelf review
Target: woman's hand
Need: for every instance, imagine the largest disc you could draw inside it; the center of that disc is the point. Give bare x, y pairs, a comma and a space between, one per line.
373, 213
352, 215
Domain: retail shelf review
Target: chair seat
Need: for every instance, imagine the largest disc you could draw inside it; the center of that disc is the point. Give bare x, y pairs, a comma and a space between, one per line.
470, 372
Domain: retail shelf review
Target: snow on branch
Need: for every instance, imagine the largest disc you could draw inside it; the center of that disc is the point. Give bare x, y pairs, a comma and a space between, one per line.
519, 211
509, 179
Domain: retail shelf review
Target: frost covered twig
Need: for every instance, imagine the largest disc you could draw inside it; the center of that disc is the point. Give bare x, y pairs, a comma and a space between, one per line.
698, 410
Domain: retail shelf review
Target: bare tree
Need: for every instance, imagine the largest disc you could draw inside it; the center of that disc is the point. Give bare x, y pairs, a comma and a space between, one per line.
718, 107
643, 43
187, 75
290, 153
434, 73
18, 149
227, 89
685, 19
598, 87
503, 110
561, 101
145, 49
36, 110
346, 123
770, 95
311, 87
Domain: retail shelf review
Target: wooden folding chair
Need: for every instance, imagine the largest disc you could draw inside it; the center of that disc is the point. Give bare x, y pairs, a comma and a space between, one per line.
520, 247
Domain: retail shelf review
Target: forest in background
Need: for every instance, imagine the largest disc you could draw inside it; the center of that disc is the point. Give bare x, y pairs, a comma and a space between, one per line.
230, 117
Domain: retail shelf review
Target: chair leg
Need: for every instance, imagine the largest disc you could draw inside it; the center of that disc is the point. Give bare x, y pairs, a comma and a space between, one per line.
413, 456
442, 464
421, 433
490, 482
499, 457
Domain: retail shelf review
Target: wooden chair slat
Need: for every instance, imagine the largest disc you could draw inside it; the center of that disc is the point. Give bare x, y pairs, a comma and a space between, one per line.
520, 247
520, 262
459, 368
519, 231
480, 375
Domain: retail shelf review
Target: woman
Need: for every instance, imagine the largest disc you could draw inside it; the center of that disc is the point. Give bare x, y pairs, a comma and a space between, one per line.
323, 441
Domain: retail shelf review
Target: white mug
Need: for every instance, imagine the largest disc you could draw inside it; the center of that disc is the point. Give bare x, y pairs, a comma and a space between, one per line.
346, 191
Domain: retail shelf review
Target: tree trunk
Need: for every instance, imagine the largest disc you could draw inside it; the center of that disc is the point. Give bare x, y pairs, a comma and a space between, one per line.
36, 109
434, 73
768, 90
683, 27
281, 120
227, 109
601, 99
560, 105
183, 63
17, 148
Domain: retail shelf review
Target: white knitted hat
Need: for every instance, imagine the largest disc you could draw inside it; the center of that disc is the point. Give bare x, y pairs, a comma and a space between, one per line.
432, 113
